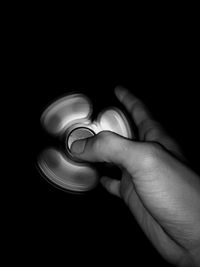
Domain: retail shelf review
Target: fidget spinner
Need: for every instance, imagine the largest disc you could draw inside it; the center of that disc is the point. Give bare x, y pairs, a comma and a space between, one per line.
69, 119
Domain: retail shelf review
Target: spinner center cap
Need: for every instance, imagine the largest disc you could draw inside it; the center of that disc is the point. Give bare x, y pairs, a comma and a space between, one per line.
77, 134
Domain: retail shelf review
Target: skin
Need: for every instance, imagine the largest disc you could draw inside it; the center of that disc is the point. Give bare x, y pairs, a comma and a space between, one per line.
161, 191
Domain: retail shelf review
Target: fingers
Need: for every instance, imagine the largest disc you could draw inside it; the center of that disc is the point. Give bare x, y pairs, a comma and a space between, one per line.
112, 148
111, 185
108, 147
148, 128
123, 188
141, 116
133, 105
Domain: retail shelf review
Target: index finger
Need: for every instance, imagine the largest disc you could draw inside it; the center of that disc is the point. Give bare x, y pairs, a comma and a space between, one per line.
148, 128
141, 115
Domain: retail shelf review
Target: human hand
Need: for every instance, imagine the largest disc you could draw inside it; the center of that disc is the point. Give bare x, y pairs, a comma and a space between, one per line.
161, 191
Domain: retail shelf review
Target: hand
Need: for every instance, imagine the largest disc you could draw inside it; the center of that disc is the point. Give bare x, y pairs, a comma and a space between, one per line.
161, 191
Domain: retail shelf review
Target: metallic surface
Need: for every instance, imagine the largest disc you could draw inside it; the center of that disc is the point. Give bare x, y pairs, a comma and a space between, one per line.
77, 134
64, 172
65, 111
69, 117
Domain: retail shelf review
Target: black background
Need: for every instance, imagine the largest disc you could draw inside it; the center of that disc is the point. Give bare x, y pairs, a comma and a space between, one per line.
97, 227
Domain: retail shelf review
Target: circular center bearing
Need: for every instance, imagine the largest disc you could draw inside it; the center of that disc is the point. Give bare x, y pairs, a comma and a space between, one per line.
77, 134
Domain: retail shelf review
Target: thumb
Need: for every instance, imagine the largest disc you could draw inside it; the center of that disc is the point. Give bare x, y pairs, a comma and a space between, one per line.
108, 147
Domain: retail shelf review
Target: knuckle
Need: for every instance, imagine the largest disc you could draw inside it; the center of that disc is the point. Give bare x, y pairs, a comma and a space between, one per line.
151, 132
104, 134
100, 140
105, 137
137, 105
103, 141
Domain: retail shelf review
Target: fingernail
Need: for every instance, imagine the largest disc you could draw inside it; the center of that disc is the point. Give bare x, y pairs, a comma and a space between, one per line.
78, 146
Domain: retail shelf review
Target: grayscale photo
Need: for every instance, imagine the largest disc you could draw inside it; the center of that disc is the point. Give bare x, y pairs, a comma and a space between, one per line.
110, 174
